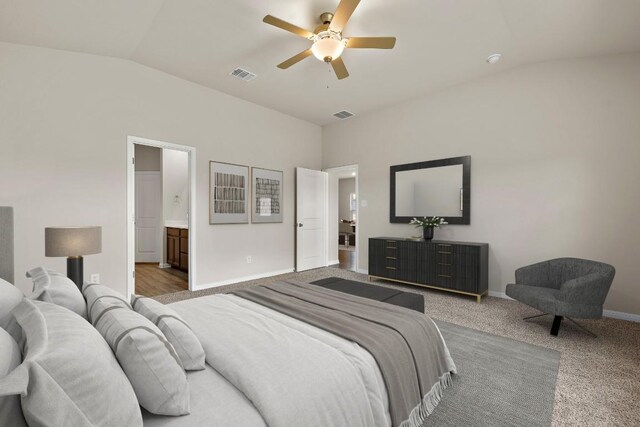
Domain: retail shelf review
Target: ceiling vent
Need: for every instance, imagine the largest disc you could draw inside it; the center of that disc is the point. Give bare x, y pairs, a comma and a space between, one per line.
242, 74
343, 114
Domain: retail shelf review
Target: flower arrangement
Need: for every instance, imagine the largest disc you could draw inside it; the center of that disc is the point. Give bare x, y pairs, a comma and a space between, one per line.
433, 222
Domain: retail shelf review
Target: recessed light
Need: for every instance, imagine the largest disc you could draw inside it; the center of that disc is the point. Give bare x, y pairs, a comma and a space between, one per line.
492, 59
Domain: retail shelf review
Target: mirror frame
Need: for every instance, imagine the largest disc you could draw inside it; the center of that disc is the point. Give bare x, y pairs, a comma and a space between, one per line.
465, 161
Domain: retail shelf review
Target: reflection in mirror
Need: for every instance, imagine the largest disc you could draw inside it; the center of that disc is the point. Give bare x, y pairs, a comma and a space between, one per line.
429, 192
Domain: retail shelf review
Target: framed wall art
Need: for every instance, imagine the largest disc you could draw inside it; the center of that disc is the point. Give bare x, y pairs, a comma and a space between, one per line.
266, 186
228, 193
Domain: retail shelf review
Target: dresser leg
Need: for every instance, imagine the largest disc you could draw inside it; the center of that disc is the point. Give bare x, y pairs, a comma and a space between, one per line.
478, 298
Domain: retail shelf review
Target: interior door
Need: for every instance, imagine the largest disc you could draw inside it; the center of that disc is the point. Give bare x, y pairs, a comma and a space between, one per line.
311, 219
148, 214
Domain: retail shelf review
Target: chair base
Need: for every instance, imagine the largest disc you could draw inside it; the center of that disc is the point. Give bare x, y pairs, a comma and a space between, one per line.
557, 320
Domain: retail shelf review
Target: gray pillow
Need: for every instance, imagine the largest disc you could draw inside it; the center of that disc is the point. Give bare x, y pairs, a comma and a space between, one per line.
10, 296
175, 329
69, 376
148, 359
10, 358
99, 298
53, 287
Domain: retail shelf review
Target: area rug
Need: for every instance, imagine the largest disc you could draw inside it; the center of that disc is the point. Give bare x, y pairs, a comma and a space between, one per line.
500, 381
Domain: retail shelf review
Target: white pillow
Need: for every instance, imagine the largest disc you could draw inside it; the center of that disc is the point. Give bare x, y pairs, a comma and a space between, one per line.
175, 329
99, 298
148, 359
69, 376
10, 296
53, 287
10, 358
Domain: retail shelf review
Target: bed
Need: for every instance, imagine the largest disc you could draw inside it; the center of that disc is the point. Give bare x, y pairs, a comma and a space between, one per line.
285, 354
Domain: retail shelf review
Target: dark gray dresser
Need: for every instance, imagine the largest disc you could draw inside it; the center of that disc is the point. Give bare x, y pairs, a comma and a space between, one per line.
460, 267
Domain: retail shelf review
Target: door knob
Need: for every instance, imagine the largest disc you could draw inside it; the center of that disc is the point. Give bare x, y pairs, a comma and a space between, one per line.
299, 224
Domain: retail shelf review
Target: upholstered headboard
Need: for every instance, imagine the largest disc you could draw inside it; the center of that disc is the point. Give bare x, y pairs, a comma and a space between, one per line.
6, 243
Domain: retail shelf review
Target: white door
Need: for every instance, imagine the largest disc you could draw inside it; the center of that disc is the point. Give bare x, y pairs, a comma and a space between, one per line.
148, 214
311, 219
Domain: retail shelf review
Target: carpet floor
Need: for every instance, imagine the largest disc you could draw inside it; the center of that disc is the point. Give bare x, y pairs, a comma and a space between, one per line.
598, 380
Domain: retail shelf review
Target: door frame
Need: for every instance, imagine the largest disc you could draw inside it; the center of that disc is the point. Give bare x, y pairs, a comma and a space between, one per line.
130, 218
337, 171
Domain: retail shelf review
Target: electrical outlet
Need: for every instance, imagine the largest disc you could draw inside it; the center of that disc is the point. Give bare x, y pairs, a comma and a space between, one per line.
95, 278
249, 259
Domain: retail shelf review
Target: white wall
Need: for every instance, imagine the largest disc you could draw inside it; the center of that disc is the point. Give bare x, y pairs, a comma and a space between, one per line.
346, 186
554, 164
64, 120
175, 186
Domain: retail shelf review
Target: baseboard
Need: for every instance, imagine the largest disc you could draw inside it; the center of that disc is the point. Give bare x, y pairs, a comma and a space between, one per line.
621, 315
363, 270
606, 313
499, 295
164, 265
240, 279
334, 262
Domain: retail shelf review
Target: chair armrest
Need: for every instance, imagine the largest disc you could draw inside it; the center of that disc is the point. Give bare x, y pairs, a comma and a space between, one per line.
591, 289
534, 275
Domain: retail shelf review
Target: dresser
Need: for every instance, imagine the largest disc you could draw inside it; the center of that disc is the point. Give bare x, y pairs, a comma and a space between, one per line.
178, 248
461, 267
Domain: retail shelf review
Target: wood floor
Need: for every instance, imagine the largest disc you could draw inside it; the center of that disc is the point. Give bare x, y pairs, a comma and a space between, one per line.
152, 280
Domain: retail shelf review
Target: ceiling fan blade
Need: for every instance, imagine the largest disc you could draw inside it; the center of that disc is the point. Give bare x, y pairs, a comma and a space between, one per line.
277, 22
342, 15
371, 42
294, 59
339, 68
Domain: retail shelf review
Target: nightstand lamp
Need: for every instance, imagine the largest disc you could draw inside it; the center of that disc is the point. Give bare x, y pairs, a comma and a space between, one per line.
73, 242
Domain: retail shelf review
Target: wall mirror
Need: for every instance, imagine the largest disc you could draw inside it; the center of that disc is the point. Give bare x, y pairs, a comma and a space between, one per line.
432, 188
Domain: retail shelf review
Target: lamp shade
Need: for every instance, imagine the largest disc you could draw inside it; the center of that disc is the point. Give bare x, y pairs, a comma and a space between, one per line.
72, 241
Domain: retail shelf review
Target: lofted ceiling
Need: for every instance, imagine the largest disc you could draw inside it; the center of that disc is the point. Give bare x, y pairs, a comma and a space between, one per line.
439, 42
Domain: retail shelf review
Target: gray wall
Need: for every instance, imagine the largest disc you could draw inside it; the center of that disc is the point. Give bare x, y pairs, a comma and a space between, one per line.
65, 119
346, 186
554, 164
148, 159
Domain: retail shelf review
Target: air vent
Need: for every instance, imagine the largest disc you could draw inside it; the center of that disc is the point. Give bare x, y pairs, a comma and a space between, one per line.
243, 74
343, 114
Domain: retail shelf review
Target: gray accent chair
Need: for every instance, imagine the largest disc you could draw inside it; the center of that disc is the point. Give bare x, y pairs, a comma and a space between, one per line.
564, 287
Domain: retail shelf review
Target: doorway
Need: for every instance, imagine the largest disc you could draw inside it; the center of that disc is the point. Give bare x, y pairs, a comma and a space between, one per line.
343, 217
160, 217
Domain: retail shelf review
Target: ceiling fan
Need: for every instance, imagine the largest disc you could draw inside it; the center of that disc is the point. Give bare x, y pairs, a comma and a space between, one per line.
328, 42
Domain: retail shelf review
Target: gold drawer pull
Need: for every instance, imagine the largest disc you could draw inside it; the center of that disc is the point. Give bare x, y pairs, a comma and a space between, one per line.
443, 252
441, 275
391, 257
443, 244
391, 268
442, 263
391, 241
392, 247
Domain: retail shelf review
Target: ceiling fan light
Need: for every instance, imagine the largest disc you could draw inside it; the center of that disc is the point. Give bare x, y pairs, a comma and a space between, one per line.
327, 49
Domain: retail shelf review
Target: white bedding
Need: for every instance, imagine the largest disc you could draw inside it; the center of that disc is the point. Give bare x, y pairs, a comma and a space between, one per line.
317, 378
214, 402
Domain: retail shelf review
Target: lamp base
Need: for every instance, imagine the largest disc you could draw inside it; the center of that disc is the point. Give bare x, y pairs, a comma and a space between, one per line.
75, 270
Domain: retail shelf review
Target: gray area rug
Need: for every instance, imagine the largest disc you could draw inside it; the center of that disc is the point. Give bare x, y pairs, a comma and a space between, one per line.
500, 381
